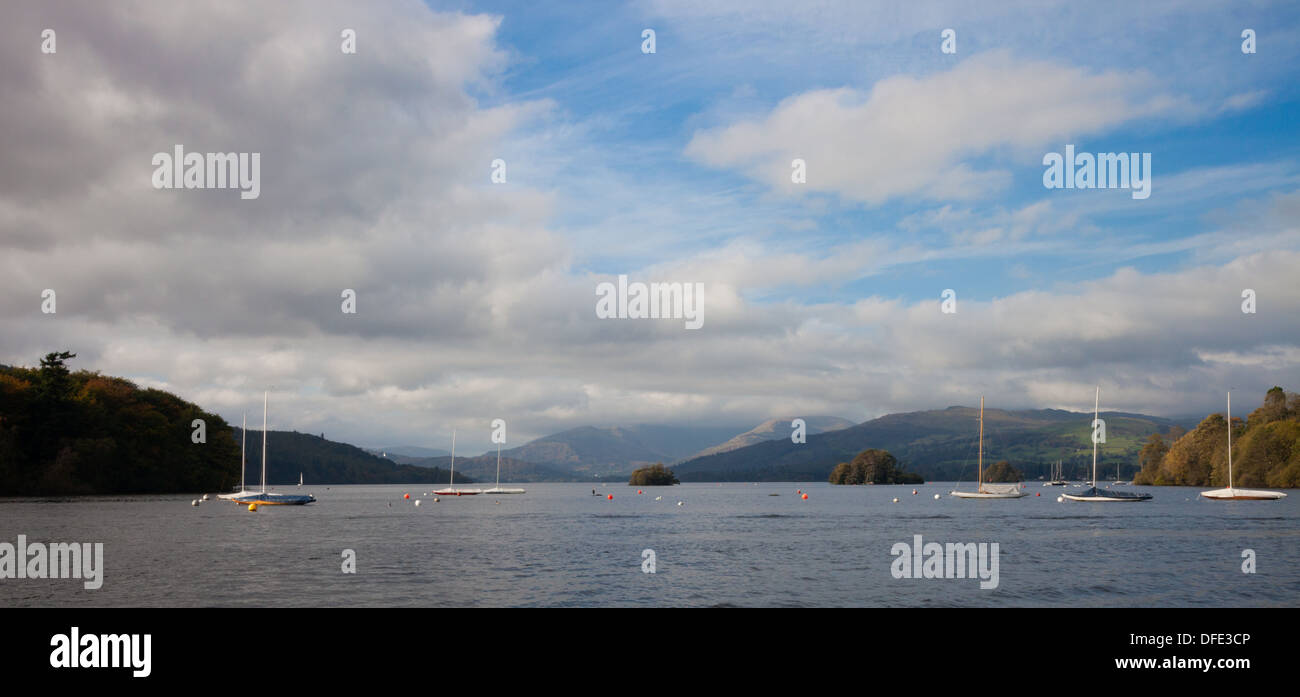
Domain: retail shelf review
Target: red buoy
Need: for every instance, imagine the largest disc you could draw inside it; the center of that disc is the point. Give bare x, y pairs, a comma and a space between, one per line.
611, 497
805, 496
638, 491
1039, 494
406, 496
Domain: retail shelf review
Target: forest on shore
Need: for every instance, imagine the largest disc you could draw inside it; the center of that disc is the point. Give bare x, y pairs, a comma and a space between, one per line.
1265, 449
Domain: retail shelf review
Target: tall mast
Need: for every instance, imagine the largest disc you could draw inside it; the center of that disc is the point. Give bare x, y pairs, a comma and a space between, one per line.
453, 458
498, 465
243, 448
1095, 414
1229, 439
981, 460
264, 442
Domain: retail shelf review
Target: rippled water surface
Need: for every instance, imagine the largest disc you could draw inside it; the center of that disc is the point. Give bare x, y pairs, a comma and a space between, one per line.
729, 544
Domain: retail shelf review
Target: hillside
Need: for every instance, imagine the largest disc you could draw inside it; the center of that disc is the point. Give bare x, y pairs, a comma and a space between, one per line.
775, 429
614, 451
1265, 449
326, 462
483, 468
407, 454
85, 433
941, 445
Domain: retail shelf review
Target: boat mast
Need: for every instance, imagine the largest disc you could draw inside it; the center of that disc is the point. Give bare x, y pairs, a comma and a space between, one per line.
243, 448
452, 482
1229, 440
1095, 413
264, 442
980, 470
498, 465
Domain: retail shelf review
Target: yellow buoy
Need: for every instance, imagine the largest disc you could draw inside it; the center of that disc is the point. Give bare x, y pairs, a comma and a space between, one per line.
252, 507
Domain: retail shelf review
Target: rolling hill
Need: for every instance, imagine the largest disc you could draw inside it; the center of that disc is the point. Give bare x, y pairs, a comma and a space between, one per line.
324, 462
775, 429
941, 445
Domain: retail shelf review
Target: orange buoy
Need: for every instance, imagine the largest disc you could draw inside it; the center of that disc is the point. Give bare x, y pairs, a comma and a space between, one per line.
611, 497
406, 496
638, 491
805, 496
1039, 494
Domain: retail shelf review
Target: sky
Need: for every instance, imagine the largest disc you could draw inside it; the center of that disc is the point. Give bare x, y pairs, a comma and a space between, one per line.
476, 300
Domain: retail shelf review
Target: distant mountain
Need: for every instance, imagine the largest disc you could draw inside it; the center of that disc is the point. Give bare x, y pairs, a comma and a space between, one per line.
407, 454
941, 445
774, 429
614, 451
323, 462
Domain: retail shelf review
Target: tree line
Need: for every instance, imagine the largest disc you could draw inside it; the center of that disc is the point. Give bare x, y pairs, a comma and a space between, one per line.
1265, 449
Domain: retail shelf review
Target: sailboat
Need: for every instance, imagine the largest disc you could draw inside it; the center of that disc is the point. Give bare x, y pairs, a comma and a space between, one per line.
265, 497
243, 447
1057, 478
300, 479
497, 489
1234, 494
451, 489
989, 491
1092, 493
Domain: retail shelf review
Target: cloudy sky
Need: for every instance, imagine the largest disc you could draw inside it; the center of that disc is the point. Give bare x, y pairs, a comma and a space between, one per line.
476, 300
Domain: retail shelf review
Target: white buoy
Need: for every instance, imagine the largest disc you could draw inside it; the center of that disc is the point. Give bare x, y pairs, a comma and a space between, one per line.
914, 492
417, 502
659, 498
195, 502
679, 503
436, 499
205, 497
895, 499
1060, 499
936, 497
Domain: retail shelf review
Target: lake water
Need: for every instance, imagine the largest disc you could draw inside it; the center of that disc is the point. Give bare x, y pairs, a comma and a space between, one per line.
729, 544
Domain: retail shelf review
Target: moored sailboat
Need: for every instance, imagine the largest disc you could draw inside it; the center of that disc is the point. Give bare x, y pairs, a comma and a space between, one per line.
498, 489
269, 498
1092, 493
243, 447
989, 491
451, 489
1232, 493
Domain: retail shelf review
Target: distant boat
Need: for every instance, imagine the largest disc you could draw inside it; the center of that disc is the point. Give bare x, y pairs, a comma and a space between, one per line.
243, 446
300, 479
989, 491
497, 489
264, 497
1234, 494
1092, 493
1057, 478
451, 489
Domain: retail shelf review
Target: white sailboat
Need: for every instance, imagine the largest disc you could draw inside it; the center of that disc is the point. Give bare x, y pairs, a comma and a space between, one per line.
1232, 493
300, 479
497, 489
989, 491
265, 497
243, 447
451, 489
1057, 478
1092, 493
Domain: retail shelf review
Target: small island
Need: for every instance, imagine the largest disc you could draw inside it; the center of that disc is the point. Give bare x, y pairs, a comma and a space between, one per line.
1002, 471
654, 475
873, 467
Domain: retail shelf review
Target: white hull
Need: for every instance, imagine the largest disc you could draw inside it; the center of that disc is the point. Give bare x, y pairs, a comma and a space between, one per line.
237, 494
1232, 494
982, 495
458, 492
502, 490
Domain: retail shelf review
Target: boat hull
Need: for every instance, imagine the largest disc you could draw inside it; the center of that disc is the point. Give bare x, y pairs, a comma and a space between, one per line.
457, 492
1095, 495
1242, 495
981, 495
275, 499
503, 490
